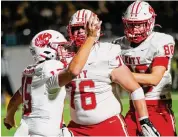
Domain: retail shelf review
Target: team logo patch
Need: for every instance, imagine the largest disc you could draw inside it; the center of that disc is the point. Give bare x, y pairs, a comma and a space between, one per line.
43, 39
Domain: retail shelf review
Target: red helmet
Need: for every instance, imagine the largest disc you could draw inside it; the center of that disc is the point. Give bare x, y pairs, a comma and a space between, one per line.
79, 19
139, 21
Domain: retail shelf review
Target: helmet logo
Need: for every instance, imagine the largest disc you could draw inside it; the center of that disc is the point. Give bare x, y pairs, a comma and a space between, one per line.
43, 39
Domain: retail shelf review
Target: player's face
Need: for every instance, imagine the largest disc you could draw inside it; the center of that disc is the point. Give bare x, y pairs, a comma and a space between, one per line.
136, 31
79, 34
138, 28
78, 31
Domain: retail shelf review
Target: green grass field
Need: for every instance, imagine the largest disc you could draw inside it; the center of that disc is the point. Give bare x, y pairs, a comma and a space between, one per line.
5, 132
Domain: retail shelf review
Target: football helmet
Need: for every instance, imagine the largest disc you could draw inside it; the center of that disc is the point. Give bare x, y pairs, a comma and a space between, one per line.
49, 45
80, 19
139, 21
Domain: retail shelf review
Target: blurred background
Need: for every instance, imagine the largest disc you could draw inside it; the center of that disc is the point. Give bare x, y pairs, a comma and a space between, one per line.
21, 20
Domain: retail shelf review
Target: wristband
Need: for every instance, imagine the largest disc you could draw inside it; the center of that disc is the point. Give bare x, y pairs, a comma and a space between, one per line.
137, 94
144, 117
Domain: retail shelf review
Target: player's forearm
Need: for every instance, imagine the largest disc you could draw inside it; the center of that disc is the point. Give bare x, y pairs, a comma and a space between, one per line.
77, 63
140, 107
81, 57
138, 99
14, 103
147, 79
11, 111
124, 77
79, 60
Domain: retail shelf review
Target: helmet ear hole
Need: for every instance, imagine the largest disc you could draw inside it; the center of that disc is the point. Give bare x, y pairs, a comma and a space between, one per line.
47, 52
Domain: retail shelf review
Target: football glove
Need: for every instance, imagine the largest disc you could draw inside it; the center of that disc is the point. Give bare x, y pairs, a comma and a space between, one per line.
148, 129
65, 132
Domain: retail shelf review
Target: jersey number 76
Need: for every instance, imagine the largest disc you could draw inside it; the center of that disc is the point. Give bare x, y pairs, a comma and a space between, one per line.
88, 99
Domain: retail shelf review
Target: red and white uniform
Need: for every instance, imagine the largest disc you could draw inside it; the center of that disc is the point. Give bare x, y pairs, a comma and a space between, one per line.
94, 109
156, 50
43, 101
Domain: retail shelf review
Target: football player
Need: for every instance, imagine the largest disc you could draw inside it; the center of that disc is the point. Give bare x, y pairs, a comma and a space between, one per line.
42, 91
148, 55
94, 109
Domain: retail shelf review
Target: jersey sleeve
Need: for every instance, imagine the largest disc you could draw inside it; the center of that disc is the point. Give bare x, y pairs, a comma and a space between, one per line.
164, 52
118, 41
122, 42
116, 59
29, 70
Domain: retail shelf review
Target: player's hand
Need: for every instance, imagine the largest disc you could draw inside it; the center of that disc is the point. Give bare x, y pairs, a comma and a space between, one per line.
9, 123
94, 24
148, 129
65, 132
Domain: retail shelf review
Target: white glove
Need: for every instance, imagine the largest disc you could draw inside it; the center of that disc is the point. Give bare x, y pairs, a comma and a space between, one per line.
148, 129
65, 132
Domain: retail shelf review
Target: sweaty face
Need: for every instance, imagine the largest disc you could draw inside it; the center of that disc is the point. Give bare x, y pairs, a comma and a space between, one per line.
78, 30
79, 34
136, 31
136, 28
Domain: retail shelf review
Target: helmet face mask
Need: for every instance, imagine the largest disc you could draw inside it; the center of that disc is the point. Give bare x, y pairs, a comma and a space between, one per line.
138, 20
136, 31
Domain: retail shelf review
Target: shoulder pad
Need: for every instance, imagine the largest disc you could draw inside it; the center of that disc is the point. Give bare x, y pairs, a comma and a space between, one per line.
118, 40
123, 42
164, 44
107, 46
161, 39
52, 66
